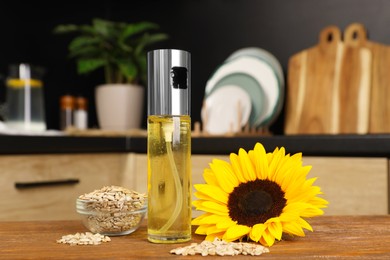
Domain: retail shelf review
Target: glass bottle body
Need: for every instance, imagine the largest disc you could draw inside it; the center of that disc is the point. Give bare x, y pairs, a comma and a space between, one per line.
169, 179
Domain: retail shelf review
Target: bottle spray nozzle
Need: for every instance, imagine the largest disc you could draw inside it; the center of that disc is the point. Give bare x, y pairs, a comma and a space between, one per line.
169, 82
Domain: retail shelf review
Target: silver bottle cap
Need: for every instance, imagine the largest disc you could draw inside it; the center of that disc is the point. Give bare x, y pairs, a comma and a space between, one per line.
169, 82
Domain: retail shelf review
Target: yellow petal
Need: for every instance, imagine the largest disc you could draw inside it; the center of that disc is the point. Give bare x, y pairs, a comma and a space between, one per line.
268, 238
263, 242
235, 232
293, 228
289, 179
275, 227
197, 203
213, 191
214, 230
312, 212
285, 165
260, 161
302, 209
209, 177
235, 161
198, 219
304, 224
213, 219
202, 196
211, 237
283, 176
257, 231
226, 223
302, 194
275, 163
318, 202
295, 207
212, 207
310, 181
251, 155
297, 157
224, 174
246, 166
289, 216
201, 230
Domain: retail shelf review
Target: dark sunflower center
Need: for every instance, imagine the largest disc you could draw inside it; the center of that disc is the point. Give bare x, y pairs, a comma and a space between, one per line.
255, 202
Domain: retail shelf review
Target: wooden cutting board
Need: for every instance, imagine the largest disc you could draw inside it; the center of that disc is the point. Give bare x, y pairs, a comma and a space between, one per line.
353, 96
329, 85
380, 89
379, 111
312, 82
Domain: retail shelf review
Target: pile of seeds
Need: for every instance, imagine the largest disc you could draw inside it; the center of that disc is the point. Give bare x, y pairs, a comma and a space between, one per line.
86, 238
221, 248
110, 207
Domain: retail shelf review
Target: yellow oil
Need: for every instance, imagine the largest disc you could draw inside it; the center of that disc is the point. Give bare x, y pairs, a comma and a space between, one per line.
169, 179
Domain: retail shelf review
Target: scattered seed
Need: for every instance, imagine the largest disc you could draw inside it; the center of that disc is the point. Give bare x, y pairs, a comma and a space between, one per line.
221, 248
86, 238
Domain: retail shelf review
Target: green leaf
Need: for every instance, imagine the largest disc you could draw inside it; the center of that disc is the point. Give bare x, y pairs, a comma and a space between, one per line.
125, 47
104, 27
85, 52
149, 39
136, 28
88, 30
88, 65
67, 28
128, 68
83, 41
118, 46
71, 28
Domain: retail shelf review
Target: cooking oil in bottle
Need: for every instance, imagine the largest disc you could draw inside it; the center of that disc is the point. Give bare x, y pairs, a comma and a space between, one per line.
169, 146
169, 168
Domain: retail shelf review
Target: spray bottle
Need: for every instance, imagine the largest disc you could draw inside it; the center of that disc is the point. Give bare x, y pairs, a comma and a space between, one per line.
169, 146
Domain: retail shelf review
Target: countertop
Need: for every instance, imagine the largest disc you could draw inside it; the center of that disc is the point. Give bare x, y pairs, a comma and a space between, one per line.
336, 237
309, 145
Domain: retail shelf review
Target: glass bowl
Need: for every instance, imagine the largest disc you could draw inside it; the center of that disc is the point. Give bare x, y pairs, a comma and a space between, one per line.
98, 218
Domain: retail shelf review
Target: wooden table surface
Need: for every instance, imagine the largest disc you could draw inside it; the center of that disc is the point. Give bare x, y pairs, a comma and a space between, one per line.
334, 237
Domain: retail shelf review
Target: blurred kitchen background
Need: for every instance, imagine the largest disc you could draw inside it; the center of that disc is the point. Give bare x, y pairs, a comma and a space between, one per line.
210, 29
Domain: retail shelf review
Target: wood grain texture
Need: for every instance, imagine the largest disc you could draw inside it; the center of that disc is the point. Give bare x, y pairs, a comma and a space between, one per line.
313, 77
379, 110
355, 83
336, 237
353, 186
57, 202
380, 89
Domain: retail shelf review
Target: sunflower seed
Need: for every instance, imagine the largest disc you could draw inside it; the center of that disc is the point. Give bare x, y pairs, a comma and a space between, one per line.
86, 238
221, 248
110, 205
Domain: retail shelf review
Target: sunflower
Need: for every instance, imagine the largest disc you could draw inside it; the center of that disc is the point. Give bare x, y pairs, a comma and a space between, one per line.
257, 195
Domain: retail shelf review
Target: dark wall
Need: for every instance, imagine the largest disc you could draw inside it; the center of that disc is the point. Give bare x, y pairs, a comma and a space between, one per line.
209, 29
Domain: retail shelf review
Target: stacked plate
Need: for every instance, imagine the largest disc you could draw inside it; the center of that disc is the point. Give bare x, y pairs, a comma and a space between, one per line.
247, 89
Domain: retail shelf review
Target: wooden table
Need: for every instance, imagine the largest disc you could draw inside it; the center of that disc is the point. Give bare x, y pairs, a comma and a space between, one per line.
340, 237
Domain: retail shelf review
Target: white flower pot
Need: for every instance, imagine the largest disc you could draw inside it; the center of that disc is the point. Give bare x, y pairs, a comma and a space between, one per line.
119, 106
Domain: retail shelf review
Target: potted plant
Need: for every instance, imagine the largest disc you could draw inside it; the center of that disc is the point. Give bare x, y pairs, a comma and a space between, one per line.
119, 49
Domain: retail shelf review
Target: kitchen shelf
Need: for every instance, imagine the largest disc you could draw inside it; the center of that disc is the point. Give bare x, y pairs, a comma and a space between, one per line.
310, 145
